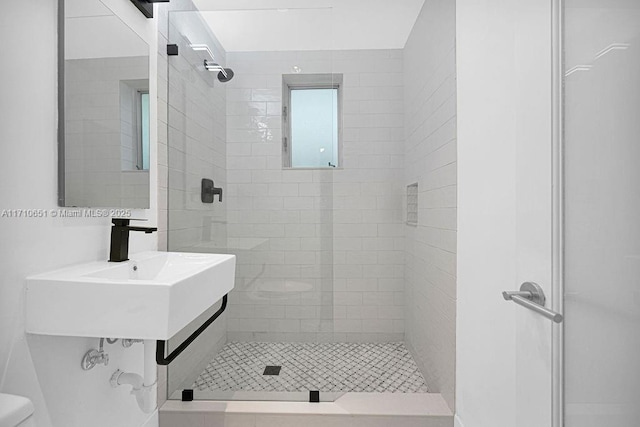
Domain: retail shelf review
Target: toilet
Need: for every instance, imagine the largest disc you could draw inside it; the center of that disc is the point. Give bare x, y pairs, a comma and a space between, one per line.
16, 411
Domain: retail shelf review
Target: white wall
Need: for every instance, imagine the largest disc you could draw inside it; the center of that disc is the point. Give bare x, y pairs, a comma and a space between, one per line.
504, 93
321, 251
486, 213
47, 369
431, 161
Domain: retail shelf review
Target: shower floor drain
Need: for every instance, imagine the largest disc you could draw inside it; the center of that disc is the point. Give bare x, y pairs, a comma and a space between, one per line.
272, 370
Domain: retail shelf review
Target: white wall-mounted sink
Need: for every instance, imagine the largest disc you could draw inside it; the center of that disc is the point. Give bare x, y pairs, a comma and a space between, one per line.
151, 296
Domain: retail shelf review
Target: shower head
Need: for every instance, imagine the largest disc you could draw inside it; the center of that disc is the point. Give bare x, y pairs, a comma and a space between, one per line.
224, 74
225, 78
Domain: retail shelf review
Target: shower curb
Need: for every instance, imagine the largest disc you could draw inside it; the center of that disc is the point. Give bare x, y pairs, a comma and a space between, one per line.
350, 410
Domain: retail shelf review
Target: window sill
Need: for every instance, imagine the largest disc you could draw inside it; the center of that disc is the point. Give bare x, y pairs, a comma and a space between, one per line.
319, 168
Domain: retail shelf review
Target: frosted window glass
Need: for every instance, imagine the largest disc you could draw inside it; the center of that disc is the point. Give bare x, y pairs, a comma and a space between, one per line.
145, 131
412, 204
314, 127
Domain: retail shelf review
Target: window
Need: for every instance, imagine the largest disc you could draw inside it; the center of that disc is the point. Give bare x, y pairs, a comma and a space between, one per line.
412, 204
134, 125
311, 123
143, 132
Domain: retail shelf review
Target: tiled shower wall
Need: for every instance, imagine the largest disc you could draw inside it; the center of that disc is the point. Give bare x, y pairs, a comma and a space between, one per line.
279, 220
196, 135
320, 251
191, 139
367, 216
431, 161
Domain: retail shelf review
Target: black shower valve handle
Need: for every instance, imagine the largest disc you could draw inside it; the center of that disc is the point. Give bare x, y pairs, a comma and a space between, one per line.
209, 191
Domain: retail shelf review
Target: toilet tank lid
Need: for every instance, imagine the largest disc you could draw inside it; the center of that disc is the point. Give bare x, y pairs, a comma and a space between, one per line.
14, 409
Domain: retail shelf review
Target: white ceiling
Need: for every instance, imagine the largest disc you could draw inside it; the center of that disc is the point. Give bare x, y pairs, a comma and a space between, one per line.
276, 25
92, 30
80, 8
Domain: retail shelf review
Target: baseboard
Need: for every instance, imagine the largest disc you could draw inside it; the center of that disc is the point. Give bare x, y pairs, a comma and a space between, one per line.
457, 422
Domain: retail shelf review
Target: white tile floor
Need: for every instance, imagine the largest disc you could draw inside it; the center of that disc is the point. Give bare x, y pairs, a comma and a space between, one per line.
328, 367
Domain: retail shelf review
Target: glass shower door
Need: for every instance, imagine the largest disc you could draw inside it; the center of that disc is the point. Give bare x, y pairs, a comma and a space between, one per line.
277, 221
195, 150
602, 212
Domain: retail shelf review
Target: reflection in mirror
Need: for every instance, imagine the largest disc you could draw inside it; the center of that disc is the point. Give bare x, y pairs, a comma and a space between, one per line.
106, 110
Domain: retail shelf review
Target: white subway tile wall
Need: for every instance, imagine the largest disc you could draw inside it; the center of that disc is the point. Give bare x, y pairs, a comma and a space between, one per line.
320, 252
430, 153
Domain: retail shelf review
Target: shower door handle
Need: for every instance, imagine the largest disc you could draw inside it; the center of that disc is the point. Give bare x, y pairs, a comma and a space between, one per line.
532, 297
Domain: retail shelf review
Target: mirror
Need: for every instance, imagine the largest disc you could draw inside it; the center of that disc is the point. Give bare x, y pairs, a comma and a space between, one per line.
104, 109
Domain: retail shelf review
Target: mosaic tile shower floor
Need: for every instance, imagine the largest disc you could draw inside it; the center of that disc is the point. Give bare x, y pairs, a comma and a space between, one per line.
328, 367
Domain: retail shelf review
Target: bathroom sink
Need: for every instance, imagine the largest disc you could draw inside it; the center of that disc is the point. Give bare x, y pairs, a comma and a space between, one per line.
151, 296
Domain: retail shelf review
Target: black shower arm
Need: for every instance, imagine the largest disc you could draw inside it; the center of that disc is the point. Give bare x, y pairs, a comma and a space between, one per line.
163, 360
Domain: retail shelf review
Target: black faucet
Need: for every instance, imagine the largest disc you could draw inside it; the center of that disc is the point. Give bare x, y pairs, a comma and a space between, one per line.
120, 238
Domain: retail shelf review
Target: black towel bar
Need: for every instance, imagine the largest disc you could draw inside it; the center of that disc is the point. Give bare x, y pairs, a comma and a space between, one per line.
163, 360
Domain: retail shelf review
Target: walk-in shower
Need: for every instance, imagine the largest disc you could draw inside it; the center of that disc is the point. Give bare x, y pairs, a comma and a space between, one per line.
318, 304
